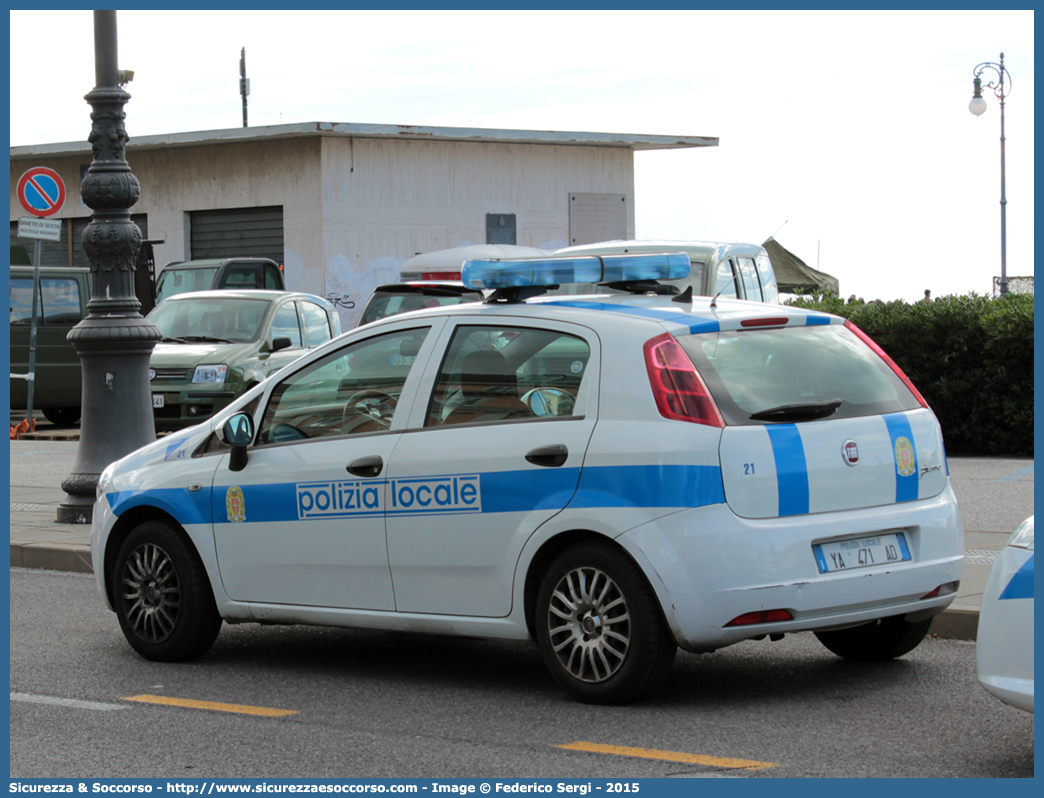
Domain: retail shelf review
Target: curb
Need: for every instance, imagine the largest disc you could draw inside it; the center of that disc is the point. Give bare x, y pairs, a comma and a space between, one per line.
72, 557
950, 624
956, 624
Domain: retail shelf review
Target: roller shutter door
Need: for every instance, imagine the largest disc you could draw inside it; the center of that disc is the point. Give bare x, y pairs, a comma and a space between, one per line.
238, 232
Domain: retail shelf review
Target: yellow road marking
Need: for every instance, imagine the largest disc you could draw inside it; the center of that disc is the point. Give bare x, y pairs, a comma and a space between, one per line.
188, 702
670, 756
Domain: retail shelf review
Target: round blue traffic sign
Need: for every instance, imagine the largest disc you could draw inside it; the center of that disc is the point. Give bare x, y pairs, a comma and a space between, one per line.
41, 191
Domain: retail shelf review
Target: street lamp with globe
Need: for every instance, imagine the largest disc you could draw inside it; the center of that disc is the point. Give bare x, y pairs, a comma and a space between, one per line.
1001, 85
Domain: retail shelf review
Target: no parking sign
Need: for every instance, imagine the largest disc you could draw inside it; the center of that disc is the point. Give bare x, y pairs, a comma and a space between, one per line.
41, 192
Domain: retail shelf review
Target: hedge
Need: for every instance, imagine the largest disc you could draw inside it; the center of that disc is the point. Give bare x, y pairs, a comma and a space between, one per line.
971, 357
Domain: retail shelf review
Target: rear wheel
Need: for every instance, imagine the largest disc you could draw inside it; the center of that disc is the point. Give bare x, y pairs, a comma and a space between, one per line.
599, 626
877, 641
62, 416
161, 595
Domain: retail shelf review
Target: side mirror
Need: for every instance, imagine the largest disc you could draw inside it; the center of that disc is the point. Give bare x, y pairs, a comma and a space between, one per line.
238, 433
282, 342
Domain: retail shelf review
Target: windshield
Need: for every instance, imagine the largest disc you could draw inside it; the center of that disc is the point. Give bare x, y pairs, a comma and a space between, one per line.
181, 281
220, 319
801, 373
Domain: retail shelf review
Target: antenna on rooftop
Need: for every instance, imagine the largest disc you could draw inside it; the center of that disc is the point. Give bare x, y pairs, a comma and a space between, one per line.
244, 83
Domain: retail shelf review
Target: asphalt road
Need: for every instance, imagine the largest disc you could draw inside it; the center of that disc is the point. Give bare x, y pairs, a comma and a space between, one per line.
376, 704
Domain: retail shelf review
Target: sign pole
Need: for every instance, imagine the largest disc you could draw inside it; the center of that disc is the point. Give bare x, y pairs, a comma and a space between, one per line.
41, 192
32, 335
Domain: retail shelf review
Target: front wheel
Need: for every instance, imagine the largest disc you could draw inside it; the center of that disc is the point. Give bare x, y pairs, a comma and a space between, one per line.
162, 597
877, 641
599, 626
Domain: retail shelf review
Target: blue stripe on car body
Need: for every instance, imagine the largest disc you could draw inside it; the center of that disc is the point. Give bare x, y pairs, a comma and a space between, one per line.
791, 469
499, 492
907, 486
1021, 584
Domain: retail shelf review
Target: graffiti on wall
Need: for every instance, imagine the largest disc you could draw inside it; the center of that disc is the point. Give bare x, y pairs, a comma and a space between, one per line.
348, 289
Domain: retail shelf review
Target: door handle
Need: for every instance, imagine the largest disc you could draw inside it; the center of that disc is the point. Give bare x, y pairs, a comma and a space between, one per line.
550, 456
366, 466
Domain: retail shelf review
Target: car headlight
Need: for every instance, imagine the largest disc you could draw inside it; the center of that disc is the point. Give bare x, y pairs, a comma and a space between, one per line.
210, 374
104, 481
1023, 536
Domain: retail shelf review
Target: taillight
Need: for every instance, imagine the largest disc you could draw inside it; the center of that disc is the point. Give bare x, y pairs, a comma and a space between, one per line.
679, 390
440, 275
763, 616
866, 339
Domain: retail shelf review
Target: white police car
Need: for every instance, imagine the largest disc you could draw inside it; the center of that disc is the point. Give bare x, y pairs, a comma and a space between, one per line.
612, 476
1004, 644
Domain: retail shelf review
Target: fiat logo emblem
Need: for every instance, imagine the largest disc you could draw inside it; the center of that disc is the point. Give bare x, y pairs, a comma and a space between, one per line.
850, 452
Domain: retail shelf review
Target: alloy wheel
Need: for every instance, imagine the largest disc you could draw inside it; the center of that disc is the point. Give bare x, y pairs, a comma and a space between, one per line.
589, 624
151, 593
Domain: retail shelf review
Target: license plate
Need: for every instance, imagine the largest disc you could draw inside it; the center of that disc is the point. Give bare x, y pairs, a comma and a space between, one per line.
847, 555
158, 400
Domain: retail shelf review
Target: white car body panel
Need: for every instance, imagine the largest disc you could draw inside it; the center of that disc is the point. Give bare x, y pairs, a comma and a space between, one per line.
1004, 644
657, 487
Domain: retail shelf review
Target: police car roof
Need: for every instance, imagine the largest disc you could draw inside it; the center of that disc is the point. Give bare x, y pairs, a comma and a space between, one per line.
701, 314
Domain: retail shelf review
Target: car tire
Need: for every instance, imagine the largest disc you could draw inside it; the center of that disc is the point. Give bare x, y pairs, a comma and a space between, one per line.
162, 596
599, 626
877, 641
62, 416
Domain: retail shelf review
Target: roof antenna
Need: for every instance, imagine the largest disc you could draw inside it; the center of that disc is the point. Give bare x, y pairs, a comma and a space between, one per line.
684, 297
780, 228
714, 301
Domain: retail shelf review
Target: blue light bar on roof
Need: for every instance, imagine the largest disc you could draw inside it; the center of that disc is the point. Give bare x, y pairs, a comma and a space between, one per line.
565, 270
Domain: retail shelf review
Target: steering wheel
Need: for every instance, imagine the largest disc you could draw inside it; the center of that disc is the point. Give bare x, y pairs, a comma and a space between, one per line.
549, 401
373, 405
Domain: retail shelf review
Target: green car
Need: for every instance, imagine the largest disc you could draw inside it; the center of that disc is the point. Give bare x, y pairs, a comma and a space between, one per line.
218, 344
61, 305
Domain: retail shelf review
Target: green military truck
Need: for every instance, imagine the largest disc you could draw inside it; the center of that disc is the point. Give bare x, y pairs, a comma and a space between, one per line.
64, 292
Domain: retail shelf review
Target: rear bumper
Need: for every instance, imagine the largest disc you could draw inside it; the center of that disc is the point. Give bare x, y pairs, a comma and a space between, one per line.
710, 566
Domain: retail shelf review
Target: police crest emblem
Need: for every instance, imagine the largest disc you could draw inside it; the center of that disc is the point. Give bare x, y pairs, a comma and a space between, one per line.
905, 462
235, 504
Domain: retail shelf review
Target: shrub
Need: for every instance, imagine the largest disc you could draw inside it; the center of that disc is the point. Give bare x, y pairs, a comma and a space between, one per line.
970, 356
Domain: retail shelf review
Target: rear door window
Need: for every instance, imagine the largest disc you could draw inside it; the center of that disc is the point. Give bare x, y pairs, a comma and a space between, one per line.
751, 285
725, 283
753, 371
767, 276
494, 373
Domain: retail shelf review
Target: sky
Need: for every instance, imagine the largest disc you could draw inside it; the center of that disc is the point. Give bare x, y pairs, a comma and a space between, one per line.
845, 135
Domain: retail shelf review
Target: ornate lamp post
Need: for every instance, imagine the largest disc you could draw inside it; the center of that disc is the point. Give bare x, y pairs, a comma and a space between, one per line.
978, 107
114, 341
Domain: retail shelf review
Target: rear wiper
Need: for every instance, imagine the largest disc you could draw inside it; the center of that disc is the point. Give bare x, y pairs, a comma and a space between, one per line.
806, 411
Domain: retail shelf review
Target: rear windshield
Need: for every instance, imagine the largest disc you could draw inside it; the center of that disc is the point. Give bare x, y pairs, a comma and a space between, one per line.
389, 303
181, 281
753, 371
